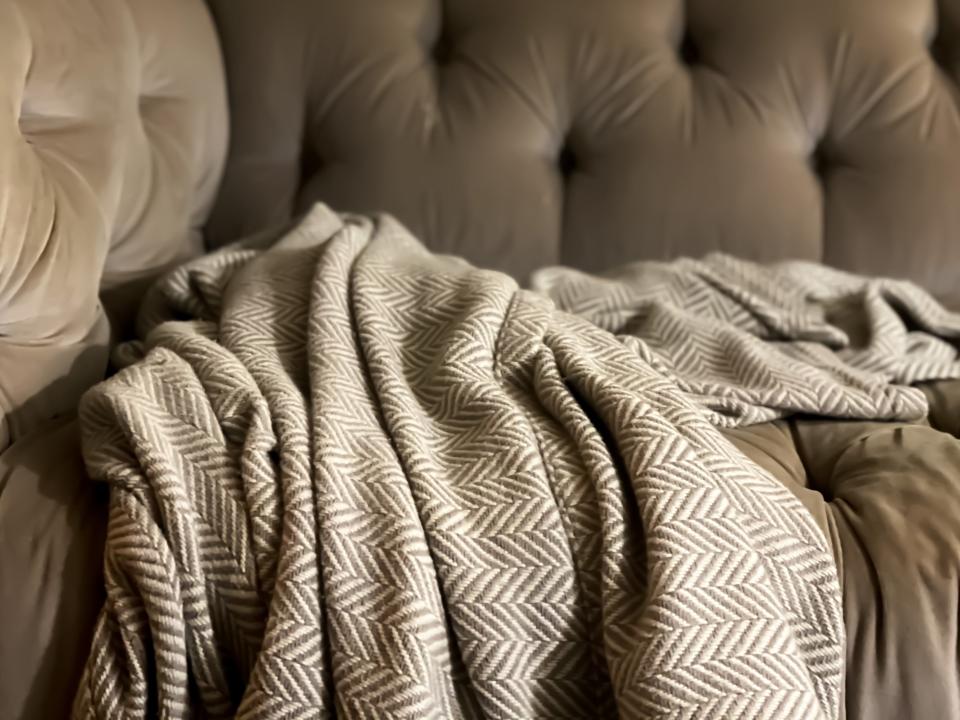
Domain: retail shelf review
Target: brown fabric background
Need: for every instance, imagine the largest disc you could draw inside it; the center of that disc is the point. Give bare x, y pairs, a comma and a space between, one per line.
888, 497
52, 525
589, 133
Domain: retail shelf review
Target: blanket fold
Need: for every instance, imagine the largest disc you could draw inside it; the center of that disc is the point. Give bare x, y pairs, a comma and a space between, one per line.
751, 343
352, 478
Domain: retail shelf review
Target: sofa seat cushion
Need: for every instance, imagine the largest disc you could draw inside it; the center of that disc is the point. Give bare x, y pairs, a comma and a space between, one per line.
887, 495
52, 525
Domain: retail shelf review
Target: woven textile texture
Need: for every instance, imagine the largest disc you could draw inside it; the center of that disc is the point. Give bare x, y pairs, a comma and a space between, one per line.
351, 477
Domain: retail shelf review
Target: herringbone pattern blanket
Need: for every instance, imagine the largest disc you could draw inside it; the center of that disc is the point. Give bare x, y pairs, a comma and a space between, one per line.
352, 478
751, 343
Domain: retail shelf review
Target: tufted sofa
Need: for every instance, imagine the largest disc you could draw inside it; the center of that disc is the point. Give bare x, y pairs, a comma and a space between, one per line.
517, 134
589, 133
593, 133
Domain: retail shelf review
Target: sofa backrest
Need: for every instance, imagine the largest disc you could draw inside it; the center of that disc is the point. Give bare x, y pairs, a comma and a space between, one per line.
592, 132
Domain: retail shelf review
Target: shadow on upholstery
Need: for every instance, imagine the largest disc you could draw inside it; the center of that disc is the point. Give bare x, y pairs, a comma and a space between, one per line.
52, 524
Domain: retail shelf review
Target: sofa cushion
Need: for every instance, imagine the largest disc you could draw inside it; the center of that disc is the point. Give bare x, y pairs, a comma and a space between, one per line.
887, 496
52, 529
112, 136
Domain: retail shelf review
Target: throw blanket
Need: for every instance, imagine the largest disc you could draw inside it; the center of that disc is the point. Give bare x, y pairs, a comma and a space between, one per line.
751, 343
353, 478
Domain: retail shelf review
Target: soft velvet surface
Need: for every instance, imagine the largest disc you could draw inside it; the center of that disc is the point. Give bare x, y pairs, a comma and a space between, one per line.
887, 495
52, 524
112, 136
588, 133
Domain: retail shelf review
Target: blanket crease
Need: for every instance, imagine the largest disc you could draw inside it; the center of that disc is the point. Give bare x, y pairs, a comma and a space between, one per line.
353, 478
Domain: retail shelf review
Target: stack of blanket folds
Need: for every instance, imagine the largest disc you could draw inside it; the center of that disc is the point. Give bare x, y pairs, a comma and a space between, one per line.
351, 477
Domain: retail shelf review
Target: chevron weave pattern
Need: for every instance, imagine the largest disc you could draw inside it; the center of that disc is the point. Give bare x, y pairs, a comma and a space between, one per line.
355, 479
751, 343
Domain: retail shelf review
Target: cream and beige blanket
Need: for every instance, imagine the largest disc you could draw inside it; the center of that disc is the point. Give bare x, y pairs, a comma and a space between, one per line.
353, 478
750, 343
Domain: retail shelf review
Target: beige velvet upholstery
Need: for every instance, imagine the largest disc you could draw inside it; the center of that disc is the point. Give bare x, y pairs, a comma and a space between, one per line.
52, 527
589, 133
887, 495
113, 130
